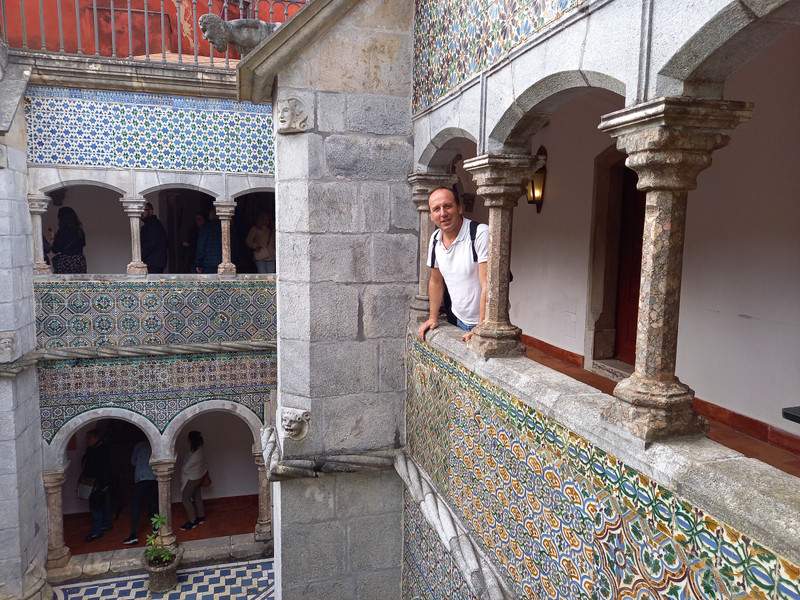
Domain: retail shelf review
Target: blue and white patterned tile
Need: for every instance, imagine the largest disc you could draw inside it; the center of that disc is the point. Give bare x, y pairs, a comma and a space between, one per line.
147, 131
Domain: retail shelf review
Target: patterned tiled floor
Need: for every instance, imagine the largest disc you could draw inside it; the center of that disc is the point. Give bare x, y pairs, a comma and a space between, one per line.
247, 580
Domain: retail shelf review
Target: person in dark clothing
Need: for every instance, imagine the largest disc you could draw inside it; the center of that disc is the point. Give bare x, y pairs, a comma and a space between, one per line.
96, 467
190, 241
209, 246
69, 243
154, 241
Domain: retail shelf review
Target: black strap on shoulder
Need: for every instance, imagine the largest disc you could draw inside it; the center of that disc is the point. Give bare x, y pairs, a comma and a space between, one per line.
433, 249
473, 230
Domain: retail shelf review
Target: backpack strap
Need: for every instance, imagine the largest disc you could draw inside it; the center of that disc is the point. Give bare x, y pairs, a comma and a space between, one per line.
433, 249
473, 230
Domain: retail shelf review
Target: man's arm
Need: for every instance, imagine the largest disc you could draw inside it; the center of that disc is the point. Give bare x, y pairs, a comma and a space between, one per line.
435, 295
482, 279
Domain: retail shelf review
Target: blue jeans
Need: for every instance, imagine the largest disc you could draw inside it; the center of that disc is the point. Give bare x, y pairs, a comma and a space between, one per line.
464, 326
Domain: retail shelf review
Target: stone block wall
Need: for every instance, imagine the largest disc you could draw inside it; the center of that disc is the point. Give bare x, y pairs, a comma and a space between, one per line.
23, 522
347, 254
565, 517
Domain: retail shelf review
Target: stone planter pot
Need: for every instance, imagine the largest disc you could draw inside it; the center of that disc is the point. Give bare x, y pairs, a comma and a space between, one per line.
164, 578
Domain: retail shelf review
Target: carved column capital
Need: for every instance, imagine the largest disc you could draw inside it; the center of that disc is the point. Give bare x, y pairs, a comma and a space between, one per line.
501, 178
38, 203
133, 205
670, 140
422, 184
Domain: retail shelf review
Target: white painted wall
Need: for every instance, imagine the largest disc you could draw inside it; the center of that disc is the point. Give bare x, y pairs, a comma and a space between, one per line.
107, 228
550, 250
739, 337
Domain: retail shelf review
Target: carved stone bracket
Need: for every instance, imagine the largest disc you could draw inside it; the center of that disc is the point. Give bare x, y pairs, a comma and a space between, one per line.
280, 470
294, 422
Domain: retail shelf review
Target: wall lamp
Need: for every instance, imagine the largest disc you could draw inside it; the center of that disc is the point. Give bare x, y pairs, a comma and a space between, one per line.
535, 188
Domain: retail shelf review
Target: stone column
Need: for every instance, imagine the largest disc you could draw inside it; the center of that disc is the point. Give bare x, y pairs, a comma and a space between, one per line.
164, 470
422, 184
37, 204
225, 212
501, 181
668, 142
264, 524
133, 208
58, 553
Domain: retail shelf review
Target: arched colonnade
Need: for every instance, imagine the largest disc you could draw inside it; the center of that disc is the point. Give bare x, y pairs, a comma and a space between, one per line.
163, 460
674, 118
133, 186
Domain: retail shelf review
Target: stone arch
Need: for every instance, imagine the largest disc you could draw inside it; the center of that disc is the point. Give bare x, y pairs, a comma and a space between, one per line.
175, 426
55, 451
179, 183
48, 179
736, 34
533, 107
443, 148
251, 189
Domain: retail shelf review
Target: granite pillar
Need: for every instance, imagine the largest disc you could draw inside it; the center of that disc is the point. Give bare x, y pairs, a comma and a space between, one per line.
501, 180
37, 204
669, 141
225, 212
58, 553
133, 207
264, 525
164, 470
422, 184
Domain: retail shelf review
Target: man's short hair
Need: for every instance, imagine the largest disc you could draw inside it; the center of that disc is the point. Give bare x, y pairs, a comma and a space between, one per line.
452, 191
148, 206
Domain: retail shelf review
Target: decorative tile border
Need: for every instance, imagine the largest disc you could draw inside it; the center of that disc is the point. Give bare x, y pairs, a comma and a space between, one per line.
563, 518
455, 39
68, 126
130, 313
429, 572
158, 388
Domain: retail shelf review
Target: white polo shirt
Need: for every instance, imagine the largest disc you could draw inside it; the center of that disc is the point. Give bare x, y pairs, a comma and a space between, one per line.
460, 272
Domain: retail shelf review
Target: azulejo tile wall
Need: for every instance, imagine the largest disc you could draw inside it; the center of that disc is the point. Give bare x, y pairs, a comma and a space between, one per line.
429, 572
94, 313
68, 126
158, 388
563, 518
455, 39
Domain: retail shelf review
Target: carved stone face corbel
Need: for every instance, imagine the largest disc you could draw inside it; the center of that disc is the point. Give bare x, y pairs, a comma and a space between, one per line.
294, 422
292, 116
6, 347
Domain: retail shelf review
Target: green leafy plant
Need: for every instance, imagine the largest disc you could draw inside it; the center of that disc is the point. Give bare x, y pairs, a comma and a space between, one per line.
156, 552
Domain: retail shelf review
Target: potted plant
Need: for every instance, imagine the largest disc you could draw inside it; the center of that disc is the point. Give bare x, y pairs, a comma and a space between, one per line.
161, 561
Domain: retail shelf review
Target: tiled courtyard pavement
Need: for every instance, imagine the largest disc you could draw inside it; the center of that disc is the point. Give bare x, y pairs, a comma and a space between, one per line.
246, 580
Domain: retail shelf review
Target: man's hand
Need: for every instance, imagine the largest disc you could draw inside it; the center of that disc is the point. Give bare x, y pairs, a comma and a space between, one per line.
466, 337
429, 324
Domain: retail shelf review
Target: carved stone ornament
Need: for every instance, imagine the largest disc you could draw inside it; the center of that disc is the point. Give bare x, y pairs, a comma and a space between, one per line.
6, 347
292, 117
294, 422
242, 34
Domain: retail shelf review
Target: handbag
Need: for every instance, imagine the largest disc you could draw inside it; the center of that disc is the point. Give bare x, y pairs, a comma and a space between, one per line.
85, 487
206, 480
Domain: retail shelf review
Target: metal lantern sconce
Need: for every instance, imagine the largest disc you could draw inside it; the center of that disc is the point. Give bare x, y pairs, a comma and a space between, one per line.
535, 187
